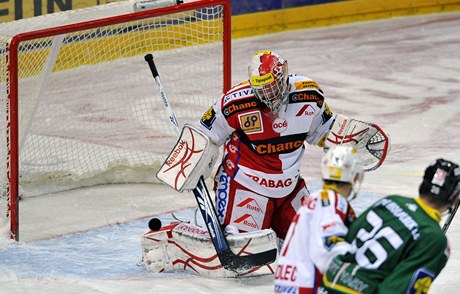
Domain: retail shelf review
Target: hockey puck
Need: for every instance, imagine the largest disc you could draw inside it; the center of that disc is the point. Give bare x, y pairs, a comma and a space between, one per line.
155, 224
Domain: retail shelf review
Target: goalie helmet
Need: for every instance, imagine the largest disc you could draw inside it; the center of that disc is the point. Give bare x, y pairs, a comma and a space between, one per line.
441, 180
268, 76
342, 164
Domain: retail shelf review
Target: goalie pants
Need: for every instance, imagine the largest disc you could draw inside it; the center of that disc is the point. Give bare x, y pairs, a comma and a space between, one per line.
248, 211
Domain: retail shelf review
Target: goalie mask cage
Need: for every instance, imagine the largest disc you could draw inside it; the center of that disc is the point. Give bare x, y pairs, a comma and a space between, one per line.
78, 105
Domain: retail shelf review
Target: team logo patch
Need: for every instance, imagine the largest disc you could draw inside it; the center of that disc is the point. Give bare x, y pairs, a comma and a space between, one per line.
208, 118
421, 282
251, 122
327, 114
330, 241
280, 125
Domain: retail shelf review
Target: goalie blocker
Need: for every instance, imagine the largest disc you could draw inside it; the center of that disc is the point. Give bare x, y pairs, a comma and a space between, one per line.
193, 156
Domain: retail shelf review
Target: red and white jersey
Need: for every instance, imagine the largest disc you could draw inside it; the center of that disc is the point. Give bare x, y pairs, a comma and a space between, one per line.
263, 151
315, 236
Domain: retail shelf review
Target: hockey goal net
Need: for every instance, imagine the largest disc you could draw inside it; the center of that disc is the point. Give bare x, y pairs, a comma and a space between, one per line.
79, 106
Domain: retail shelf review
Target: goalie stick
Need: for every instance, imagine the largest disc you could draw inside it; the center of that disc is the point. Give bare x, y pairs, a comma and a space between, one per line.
228, 259
451, 216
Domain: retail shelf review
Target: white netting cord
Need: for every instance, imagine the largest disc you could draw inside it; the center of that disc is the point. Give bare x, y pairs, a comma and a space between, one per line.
85, 122
4, 220
4, 140
67, 17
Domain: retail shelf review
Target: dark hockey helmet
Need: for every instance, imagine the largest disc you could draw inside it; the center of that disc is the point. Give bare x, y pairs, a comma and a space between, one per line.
441, 181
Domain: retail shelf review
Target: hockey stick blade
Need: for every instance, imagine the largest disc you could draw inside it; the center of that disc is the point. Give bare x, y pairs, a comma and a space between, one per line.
228, 259
450, 217
231, 261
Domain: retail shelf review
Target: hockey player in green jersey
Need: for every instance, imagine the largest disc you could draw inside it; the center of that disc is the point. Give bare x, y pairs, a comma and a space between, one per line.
398, 244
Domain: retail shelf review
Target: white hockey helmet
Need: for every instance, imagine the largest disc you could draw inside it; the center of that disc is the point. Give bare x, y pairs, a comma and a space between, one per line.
268, 76
343, 164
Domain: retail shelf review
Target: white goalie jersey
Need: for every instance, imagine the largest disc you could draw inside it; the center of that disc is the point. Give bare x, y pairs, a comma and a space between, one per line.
263, 151
315, 236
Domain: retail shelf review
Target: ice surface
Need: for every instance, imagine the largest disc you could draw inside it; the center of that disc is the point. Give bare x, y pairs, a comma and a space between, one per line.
402, 73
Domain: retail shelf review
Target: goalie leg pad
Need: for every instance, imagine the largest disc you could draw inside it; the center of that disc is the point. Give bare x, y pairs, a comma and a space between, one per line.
157, 248
188, 247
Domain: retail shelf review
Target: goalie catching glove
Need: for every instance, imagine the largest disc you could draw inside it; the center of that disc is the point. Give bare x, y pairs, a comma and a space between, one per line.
371, 142
193, 156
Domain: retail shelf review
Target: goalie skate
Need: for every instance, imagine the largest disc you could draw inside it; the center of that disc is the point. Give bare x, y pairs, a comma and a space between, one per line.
187, 247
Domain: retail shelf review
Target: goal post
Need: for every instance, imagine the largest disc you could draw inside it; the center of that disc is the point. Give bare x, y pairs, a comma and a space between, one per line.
77, 105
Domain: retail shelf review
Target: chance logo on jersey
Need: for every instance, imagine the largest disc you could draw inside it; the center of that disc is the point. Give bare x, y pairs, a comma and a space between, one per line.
421, 282
307, 96
238, 106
